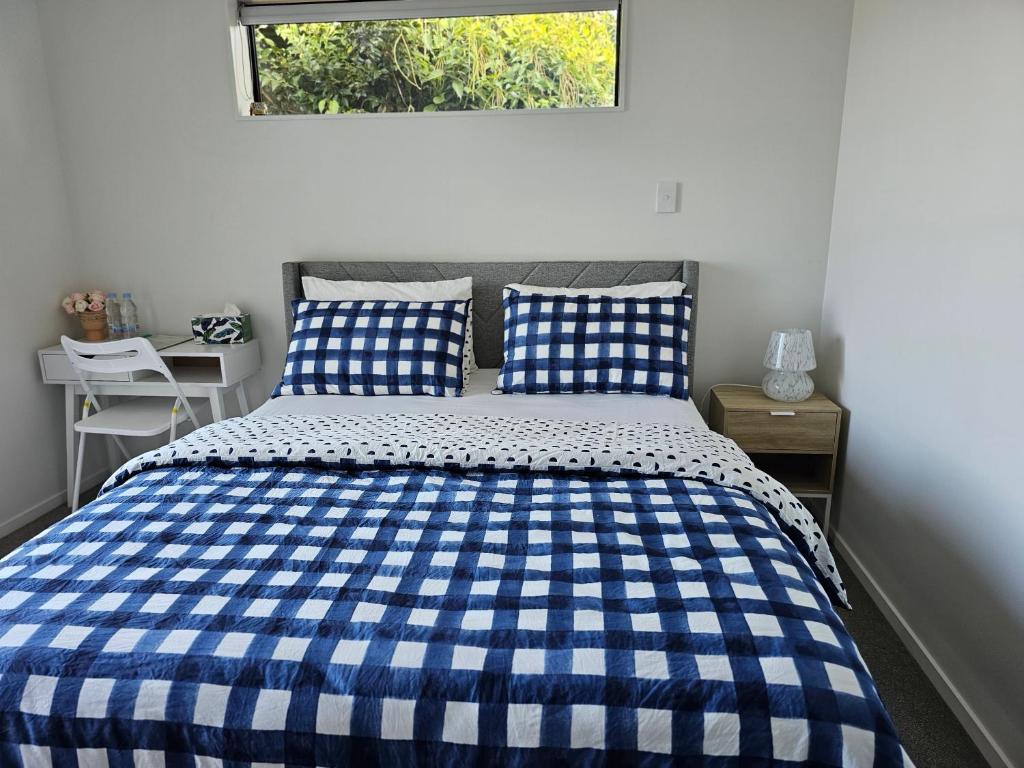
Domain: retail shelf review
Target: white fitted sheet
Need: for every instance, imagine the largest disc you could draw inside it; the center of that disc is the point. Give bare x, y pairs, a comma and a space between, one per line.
477, 400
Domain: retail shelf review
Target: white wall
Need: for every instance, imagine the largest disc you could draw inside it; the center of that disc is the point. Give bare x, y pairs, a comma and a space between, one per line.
922, 332
180, 200
36, 266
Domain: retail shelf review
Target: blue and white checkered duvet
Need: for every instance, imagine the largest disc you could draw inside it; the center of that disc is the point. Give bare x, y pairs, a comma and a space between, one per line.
287, 591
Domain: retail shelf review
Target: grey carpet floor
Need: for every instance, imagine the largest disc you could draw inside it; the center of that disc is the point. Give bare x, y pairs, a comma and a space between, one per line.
931, 734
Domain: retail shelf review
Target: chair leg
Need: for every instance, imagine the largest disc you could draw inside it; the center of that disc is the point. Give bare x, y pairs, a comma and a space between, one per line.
120, 444
78, 473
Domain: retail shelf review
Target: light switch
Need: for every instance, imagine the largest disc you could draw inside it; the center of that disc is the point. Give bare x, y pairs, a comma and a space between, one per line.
667, 197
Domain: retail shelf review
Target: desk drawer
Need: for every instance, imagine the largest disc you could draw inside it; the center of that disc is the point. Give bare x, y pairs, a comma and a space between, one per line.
801, 432
57, 369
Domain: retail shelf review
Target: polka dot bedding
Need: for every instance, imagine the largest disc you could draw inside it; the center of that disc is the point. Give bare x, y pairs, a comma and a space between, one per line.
433, 590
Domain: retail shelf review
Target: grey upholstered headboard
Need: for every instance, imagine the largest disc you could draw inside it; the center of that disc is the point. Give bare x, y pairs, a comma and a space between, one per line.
488, 280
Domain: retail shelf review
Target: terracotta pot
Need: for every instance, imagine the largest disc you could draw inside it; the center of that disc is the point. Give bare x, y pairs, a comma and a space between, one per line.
94, 324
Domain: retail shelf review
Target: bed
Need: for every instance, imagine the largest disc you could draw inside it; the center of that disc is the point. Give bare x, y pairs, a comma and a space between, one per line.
484, 580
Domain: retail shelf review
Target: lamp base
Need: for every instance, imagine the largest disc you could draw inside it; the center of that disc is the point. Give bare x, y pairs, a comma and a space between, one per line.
787, 386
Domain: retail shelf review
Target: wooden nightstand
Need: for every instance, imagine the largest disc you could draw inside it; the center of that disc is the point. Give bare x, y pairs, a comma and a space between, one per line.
796, 443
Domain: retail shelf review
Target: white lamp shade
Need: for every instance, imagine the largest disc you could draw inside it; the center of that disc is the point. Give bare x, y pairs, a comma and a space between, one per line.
790, 350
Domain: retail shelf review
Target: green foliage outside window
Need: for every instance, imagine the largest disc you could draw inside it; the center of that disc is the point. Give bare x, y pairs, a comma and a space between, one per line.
529, 61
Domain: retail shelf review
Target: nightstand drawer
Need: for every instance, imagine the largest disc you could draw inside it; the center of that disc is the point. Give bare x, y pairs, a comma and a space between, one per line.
802, 432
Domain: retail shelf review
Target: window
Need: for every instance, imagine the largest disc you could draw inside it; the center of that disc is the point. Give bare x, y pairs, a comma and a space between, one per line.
432, 55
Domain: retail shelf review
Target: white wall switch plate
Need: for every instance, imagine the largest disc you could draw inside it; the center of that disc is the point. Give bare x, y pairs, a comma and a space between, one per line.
668, 197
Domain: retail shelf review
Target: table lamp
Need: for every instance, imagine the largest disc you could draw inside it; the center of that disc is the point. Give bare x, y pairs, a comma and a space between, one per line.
790, 355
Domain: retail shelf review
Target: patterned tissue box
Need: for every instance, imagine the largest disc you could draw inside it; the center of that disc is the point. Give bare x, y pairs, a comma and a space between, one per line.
222, 329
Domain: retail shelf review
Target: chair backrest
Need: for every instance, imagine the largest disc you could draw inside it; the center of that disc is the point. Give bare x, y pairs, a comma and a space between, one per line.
135, 354
120, 356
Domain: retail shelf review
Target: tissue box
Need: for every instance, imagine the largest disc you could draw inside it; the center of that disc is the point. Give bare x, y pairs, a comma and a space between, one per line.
222, 329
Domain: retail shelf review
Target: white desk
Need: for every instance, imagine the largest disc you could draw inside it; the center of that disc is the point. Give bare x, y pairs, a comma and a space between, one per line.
206, 371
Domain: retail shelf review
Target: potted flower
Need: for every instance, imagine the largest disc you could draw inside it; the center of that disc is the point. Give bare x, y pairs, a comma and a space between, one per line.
91, 308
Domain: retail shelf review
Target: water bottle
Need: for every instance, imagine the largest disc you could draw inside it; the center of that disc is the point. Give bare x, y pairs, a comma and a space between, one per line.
113, 316
129, 316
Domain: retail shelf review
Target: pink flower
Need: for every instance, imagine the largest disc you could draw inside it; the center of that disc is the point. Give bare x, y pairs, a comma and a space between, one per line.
77, 296
68, 305
97, 296
96, 306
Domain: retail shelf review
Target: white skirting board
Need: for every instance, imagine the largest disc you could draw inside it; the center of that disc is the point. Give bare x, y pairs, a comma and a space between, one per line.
947, 690
50, 503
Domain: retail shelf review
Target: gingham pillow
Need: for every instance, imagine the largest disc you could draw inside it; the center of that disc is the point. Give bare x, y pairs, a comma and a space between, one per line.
375, 348
573, 344
319, 289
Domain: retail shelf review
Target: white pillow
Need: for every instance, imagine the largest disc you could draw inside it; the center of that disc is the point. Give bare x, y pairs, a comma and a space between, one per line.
667, 288
318, 289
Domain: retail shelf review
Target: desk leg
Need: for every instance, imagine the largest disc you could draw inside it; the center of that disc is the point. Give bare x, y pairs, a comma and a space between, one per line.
217, 403
70, 406
243, 401
110, 442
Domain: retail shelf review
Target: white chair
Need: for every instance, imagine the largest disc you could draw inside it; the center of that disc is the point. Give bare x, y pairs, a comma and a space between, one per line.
139, 417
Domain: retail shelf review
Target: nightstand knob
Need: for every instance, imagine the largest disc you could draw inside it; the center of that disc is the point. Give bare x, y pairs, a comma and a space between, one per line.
783, 413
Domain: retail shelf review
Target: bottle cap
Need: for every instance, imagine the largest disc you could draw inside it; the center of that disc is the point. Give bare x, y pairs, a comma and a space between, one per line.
127, 295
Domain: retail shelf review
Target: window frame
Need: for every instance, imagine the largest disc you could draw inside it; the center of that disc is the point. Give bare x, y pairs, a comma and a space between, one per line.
248, 87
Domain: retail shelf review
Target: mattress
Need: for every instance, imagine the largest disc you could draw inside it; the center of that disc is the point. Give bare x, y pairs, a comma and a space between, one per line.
435, 589
478, 400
